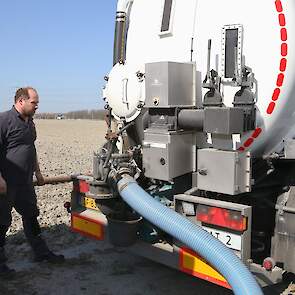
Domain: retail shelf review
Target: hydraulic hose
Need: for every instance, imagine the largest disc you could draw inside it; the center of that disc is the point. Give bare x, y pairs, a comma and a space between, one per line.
200, 241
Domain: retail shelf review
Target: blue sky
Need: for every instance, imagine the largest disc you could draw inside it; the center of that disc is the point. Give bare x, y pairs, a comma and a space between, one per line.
63, 48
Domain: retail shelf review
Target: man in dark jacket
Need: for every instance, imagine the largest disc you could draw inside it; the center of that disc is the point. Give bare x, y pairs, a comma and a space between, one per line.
18, 164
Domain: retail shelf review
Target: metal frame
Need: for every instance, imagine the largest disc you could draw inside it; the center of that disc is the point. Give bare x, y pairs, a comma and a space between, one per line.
239, 52
169, 32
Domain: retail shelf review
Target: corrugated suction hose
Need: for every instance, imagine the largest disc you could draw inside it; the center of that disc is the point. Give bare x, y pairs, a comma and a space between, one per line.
217, 254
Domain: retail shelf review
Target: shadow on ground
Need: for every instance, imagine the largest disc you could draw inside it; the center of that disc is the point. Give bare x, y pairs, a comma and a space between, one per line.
96, 268
93, 267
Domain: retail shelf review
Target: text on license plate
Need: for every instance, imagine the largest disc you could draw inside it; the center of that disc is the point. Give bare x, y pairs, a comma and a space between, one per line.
233, 241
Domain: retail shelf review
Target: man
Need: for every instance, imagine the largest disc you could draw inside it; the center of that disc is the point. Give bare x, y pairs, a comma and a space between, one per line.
18, 163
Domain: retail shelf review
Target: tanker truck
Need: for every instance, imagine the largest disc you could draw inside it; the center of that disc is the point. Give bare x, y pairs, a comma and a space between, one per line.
198, 168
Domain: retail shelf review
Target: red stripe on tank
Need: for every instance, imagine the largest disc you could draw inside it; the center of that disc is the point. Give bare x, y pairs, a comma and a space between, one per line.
282, 20
256, 132
271, 108
276, 94
284, 34
283, 65
248, 142
279, 6
284, 49
280, 78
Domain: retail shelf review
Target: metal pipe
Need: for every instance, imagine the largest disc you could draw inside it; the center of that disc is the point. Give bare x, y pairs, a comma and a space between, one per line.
285, 209
191, 119
122, 14
55, 179
58, 179
120, 42
209, 58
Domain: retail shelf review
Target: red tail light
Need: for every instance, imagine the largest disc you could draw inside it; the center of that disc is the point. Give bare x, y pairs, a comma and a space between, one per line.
222, 217
84, 186
80, 186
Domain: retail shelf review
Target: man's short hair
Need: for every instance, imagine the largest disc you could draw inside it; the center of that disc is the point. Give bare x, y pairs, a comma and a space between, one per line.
23, 93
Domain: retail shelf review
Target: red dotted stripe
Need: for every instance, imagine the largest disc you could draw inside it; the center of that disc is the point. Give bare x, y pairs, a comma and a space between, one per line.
279, 6
284, 34
283, 65
281, 76
276, 94
280, 80
282, 20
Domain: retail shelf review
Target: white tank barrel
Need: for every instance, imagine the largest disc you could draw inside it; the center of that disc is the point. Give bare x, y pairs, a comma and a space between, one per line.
179, 31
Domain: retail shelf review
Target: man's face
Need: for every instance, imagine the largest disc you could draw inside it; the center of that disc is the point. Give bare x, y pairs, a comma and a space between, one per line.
30, 105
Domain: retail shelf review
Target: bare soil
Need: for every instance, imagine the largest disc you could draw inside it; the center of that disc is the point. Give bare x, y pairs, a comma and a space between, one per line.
91, 267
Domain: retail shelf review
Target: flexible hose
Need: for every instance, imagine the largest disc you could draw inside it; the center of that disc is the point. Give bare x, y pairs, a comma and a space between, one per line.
217, 254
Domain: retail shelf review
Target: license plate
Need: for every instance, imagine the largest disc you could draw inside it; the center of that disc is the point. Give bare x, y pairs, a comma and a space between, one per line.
231, 240
90, 203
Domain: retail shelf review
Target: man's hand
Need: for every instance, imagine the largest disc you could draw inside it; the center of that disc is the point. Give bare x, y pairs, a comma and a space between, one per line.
3, 186
40, 178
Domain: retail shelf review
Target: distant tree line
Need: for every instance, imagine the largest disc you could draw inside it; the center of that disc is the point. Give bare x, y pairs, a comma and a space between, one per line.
82, 114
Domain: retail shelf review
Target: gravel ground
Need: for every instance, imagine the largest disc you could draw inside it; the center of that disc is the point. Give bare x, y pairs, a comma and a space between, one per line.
66, 147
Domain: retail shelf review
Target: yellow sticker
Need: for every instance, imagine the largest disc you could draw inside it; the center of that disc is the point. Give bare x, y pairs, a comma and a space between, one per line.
90, 203
192, 263
87, 227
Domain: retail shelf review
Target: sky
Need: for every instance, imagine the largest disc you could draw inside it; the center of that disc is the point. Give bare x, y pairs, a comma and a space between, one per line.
63, 48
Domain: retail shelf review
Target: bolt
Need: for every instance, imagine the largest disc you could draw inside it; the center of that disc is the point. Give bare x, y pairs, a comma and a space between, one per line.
156, 101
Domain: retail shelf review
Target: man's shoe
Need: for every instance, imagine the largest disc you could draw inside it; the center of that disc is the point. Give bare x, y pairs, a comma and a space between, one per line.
50, 257
6, 272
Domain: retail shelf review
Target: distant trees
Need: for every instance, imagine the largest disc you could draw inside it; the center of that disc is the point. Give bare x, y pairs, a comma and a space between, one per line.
45, 116
82, 114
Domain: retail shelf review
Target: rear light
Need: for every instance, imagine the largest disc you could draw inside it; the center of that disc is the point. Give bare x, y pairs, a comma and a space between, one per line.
84, 186
227, 218
80, 186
